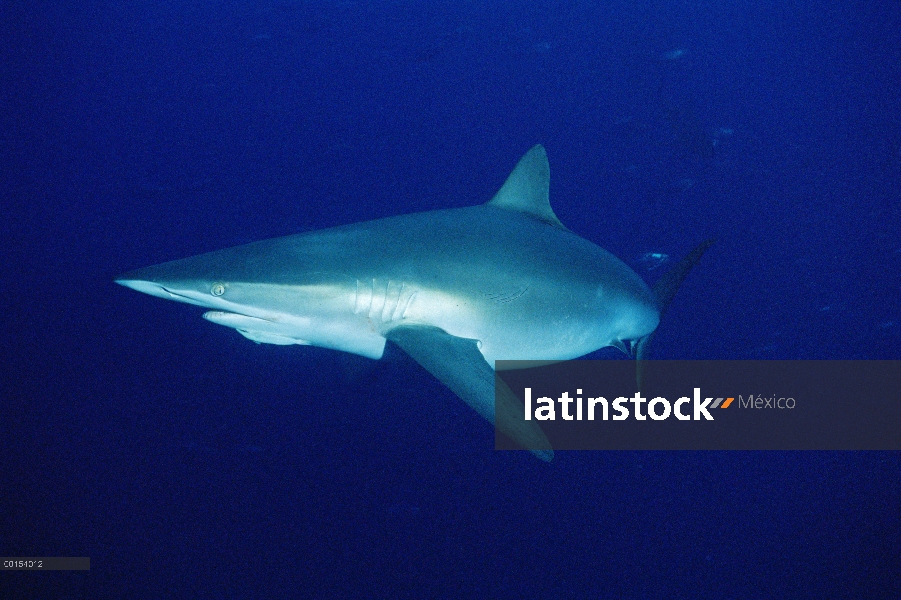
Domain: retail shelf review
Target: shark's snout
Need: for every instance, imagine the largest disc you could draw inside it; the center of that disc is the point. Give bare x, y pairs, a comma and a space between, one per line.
154, 289
141, 285
147, 282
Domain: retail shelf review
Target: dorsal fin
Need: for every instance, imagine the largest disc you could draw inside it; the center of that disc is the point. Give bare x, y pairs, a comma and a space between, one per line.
526, 189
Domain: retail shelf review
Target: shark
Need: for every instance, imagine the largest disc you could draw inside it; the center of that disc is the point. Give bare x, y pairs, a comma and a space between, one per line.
456, 289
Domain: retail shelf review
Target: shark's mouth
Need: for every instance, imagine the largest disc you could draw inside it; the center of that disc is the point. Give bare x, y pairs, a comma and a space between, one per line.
177, 296
237, 320
262, 331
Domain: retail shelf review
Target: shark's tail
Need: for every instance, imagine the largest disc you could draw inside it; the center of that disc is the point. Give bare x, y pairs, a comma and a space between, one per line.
664, 290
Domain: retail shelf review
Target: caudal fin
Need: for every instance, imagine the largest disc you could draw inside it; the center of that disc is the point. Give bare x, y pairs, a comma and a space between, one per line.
665, 290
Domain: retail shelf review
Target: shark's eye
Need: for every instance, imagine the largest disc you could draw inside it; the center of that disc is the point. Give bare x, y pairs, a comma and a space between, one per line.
217, 289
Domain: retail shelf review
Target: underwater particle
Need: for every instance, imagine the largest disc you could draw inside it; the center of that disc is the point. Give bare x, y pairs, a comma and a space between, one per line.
675, 54
652, 260
721, 134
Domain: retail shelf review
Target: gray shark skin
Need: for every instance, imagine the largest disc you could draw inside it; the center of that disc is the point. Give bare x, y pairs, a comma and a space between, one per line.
456, 289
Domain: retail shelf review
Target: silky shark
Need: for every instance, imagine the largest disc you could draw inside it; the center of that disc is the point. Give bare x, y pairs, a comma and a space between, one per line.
456, 289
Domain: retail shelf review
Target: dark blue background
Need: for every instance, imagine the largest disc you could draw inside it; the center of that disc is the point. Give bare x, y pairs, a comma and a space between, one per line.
188, 462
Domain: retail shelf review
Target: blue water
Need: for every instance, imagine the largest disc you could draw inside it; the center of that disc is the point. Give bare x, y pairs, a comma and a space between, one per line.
188, 462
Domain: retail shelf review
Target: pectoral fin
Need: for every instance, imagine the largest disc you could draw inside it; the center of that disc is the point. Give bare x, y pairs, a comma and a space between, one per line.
459, 365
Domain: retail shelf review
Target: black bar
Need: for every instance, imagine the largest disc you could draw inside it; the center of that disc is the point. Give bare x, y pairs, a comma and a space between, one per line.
43, 563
